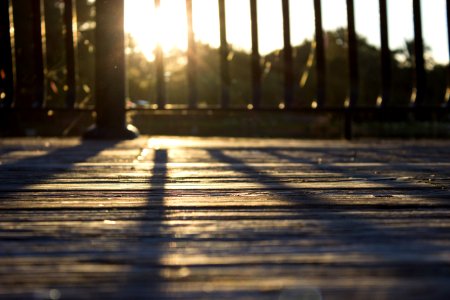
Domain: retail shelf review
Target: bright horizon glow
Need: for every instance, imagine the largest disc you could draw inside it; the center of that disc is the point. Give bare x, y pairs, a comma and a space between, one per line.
141, 22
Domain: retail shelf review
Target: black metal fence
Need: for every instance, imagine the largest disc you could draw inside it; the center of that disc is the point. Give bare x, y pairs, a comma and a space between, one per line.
21, 92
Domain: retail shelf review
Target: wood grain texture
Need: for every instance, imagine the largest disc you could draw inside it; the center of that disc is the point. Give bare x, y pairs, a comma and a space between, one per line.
224, 218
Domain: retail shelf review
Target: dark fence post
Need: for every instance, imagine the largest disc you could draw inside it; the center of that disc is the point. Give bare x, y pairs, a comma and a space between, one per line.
6, 62
159, 62
386, 71
110, 72
224, 51
29, 57
192, 59
353, 69
447, 93
288, 60
419, 61
320, 55
39, 55
70, 42
256, 59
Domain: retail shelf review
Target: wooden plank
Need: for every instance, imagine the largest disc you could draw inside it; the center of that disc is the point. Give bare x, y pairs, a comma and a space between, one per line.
208, 218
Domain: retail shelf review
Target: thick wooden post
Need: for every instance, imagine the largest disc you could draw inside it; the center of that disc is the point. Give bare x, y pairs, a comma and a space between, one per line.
6, 69
320, 55
419, 61
29, 58
386, 72
192, 59
256, 64
288, 59
224, 51
110, 72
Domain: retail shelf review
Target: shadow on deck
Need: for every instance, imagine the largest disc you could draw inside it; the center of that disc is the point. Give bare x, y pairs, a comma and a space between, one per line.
202, 218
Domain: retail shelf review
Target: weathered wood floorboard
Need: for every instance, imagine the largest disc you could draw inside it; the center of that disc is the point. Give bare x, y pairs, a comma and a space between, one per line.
205, 218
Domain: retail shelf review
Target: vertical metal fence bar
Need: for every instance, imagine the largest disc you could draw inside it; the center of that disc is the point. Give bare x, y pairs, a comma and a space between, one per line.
191, 55
110, 72
192, 59
224, 51
352, 55
353, 69
38, 54
70, 43
320, 55
386, 71
159, 62
447, 94
256, 58
288, 59
6, 61
420, 77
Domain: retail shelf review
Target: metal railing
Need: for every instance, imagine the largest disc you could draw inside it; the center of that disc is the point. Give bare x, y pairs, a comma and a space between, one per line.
110, 64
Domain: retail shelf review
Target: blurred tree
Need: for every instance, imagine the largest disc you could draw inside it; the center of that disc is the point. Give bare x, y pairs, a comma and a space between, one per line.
142, 80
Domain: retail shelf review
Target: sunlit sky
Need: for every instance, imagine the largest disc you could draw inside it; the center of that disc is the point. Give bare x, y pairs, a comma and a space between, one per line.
170, 25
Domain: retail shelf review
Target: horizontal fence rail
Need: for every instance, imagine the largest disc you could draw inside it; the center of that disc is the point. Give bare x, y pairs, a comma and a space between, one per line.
23, 52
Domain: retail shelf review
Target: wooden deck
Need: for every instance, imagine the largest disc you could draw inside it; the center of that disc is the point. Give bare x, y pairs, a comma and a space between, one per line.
214, 218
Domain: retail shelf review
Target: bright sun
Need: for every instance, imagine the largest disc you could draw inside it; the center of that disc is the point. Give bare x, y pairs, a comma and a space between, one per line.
144, 25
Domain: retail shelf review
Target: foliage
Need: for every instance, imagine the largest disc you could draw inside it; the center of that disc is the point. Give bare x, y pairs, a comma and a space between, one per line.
141, 74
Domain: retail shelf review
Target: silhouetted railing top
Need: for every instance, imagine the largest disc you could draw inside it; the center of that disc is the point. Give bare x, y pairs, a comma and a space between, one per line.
25, 79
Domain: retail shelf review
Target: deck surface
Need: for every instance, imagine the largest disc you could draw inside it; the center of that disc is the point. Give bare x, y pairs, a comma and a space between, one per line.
215, 218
